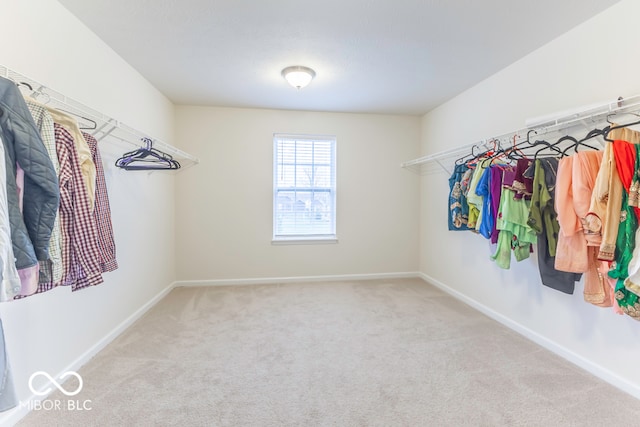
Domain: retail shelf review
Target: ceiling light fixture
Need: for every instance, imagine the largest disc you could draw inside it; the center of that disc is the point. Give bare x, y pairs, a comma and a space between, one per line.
298, 76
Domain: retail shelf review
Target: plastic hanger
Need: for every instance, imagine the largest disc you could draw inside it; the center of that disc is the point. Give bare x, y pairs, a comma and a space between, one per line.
606, 131
529, 132
463, 159
147, 158
496, 147
518, 150
483, 154
592, 134
536, 144
554, 145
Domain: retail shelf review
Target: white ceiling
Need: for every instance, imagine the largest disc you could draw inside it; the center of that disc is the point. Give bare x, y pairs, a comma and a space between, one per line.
370, 56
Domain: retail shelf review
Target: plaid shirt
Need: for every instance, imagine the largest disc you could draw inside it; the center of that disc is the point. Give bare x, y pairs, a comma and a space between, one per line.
80, 251
102, 211
50, 270
85, 164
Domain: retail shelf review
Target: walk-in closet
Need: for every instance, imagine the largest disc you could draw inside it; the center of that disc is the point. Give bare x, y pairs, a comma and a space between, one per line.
219, 213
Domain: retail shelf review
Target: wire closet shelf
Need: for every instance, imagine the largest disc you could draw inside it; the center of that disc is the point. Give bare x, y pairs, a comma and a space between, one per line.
106, 128
549, 128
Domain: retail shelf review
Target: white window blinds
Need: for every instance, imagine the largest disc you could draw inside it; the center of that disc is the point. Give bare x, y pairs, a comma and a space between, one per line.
304, 196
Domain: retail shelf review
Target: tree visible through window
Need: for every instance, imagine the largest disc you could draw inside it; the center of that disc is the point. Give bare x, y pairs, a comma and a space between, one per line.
304, 197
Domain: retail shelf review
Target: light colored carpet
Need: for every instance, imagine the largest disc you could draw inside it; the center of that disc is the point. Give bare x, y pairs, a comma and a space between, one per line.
363, 353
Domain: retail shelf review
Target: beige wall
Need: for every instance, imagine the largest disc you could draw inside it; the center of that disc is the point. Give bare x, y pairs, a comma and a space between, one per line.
592, 63
224, 206
52, 331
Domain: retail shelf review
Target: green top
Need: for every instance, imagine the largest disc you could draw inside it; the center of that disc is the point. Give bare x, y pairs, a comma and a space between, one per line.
625, 243
542, 216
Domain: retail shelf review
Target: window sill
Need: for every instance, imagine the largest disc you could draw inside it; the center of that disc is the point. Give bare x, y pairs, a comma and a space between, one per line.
304, 241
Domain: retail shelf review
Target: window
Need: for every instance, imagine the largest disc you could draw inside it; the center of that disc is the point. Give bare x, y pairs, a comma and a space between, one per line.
304, 188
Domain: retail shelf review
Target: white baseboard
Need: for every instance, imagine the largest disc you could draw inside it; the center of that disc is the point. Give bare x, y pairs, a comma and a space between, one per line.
13, 416
589, 366
272, 280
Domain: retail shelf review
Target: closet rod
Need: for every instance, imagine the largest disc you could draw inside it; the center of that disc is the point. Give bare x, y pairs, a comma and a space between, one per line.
417, 164
106, 127
588, 116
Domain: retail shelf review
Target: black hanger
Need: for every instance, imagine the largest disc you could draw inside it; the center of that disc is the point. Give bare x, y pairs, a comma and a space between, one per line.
472, 155
25, 84
528, 140
606, 131
546, 145
554, 145
592, 134
147, 158
518, 150
482, 154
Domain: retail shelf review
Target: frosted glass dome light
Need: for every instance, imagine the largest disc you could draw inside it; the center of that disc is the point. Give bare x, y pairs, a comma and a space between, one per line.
298, 76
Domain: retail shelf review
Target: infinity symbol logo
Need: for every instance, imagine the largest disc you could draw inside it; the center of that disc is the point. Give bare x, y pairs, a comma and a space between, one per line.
55, 383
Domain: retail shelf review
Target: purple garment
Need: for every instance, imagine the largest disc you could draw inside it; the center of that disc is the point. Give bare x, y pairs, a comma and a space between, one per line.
495, 190
509, 175
523, 185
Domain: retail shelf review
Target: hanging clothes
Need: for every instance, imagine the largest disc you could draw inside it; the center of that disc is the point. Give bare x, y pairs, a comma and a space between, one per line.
31, 232
515, 234
55, 224
473, 200
490, 189
51, 269
577, 252
102, 212
627, 160
607, 204
495, 189
458, 207
464, 184
632, 139
627, 286
85, 159
85, 249
522, 185
9, 280
571, 252
629, 302
80, 251
603, 217
543, 220
483, 190
586, 167
582, 211
632, 282
625, 157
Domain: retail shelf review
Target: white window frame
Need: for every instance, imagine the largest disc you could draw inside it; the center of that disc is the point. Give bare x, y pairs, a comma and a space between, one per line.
301, 237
